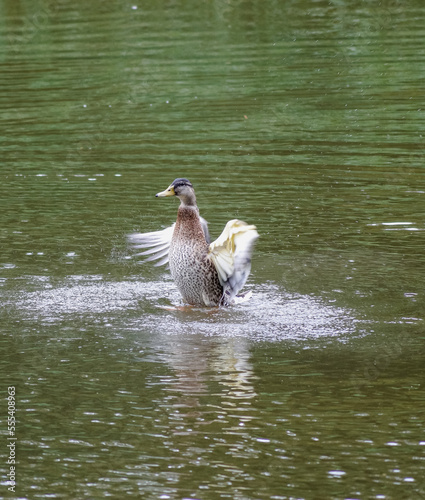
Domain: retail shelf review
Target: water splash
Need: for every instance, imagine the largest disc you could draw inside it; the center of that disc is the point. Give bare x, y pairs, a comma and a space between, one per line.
272, 314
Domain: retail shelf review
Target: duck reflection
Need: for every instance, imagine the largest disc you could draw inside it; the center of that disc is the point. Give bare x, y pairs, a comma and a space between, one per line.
212, 381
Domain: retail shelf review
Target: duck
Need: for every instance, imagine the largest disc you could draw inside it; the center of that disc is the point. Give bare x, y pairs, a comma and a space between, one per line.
207, 274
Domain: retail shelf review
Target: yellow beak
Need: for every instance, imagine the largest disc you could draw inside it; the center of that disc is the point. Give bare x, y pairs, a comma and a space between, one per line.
168, 192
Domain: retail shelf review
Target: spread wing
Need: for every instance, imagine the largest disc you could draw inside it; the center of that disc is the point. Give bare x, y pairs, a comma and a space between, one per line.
158, 243
231, 254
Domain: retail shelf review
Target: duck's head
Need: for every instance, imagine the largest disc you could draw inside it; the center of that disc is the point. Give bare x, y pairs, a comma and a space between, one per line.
183, 189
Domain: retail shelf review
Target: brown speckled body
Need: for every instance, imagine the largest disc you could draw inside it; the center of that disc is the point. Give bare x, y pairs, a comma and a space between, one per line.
190, 266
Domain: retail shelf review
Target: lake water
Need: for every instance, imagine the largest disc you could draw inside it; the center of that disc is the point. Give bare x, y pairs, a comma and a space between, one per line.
304, 118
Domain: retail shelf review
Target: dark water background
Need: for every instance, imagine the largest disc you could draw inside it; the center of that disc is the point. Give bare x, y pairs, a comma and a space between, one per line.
305, 118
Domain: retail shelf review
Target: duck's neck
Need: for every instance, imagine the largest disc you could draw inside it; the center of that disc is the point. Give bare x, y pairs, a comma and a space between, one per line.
188, 224
188, 199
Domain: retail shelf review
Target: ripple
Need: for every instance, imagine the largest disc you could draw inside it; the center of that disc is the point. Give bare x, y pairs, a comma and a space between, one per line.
336, 473
396, 226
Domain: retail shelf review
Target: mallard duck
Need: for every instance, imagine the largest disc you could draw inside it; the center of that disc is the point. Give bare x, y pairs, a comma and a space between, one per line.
206, 274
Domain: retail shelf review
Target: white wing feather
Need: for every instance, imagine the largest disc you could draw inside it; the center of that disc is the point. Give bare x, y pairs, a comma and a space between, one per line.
158, 243
231, 254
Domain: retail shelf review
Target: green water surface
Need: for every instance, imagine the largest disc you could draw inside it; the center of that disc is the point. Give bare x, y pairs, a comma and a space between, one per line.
305, 118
